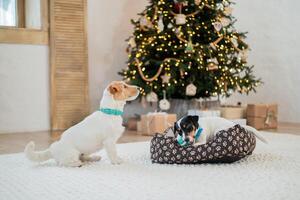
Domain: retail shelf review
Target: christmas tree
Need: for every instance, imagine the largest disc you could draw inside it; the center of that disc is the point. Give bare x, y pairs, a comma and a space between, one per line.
188, 49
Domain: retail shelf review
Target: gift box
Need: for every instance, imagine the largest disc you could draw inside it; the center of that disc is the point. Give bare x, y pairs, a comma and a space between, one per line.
262, 116
233, 112
156, 122
205, 113
139, 127
132, 124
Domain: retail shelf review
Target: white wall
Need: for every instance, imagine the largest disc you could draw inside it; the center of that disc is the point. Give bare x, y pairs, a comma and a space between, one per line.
108, 27
24, 88
274, 40
273, 31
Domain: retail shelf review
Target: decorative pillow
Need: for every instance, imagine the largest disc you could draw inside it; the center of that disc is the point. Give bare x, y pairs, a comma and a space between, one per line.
228, 146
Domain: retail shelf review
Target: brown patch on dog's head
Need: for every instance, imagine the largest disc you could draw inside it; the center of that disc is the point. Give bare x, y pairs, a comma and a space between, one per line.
122, 91
114, 88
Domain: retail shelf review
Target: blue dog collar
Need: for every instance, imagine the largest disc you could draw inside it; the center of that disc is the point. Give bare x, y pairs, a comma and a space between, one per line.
110, 111
180, 140
198, 133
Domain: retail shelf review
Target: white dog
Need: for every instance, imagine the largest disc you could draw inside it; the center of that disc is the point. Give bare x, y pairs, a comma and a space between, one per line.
100, 129
200, 130
212, 125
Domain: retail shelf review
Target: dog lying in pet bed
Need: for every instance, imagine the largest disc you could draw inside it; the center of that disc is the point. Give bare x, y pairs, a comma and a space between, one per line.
228, 146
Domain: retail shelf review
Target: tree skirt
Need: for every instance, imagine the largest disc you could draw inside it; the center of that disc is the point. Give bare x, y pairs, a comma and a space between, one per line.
271, 172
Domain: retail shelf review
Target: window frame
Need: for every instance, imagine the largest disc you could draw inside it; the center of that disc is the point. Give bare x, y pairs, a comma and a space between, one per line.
21, 35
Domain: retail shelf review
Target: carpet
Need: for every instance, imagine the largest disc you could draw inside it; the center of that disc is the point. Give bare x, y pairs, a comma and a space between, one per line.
271, 172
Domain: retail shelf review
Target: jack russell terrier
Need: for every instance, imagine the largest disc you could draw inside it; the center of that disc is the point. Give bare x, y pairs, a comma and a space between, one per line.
100, 129
192, 130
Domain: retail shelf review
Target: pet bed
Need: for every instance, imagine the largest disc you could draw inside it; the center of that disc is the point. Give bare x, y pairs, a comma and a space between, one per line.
228, 146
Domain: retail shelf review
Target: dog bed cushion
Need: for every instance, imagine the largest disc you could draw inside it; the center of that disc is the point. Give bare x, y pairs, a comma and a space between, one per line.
228, 146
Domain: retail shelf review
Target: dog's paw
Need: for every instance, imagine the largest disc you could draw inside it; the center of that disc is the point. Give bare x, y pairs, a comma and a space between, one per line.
117, 161
95, 158
73, 164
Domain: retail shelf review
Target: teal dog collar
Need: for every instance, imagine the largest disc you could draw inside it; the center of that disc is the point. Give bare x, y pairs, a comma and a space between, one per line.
198, 133
110, 111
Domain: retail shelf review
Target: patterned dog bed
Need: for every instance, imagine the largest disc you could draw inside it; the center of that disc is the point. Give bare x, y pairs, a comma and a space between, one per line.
228, 146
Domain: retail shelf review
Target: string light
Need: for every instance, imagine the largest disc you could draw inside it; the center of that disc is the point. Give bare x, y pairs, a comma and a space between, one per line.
153, 45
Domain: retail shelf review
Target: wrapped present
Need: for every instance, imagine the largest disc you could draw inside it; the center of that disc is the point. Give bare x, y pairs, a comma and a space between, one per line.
262, 116
131, 124
139, 127
205, 113
233, 112
156, 122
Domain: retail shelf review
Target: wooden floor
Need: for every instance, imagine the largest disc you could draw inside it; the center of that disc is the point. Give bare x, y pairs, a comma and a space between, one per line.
15, 142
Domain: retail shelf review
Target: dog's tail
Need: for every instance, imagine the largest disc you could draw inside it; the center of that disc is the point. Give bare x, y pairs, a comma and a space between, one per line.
37, 156
256, 133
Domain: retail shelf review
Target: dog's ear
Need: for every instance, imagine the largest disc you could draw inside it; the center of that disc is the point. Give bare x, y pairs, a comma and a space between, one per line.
175, 127
176, 130
113, 89
195, 119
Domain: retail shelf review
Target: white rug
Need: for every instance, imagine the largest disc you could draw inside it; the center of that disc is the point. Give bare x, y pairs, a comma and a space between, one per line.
272, 172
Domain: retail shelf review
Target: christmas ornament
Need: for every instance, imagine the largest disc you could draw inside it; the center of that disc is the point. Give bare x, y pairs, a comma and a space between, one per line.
170, 25
165, 78
180, 19
226, 3
160, 24
228, 11
151, 97
243, 55
219, 6
181, 73
234, 41
231, 70
238, 58
213, 46
212, 64
218, 26
178, 6
145, 22
189, 48
185, 3
191, 90
231, 29
178, 31
164, 104
132, 43
197, 2
225, 21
